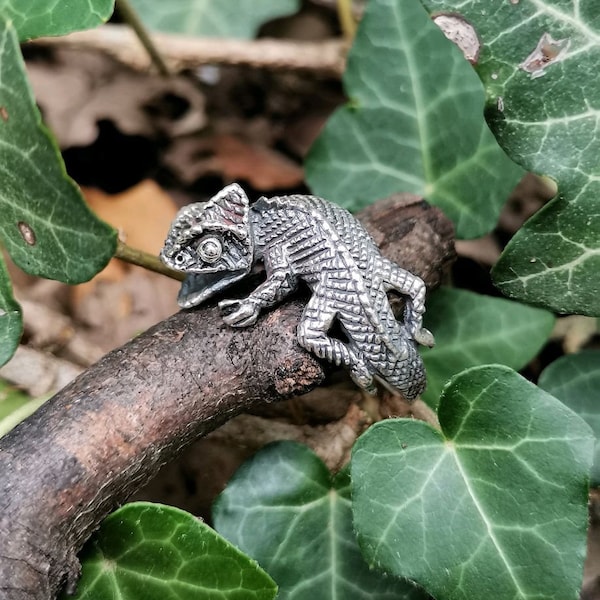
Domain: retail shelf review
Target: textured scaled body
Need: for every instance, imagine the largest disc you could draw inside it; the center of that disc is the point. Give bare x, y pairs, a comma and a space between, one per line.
306, 238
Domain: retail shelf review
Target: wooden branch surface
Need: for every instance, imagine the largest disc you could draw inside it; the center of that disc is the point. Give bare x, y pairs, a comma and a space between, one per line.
325, 58
95, 442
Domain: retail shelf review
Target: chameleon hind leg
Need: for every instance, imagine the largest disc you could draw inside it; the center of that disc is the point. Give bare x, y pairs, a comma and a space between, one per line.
396, 278
314, 325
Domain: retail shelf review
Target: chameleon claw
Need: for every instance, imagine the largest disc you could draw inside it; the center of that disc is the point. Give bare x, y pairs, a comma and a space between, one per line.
424, 337
239, 313
361, 375
247, 322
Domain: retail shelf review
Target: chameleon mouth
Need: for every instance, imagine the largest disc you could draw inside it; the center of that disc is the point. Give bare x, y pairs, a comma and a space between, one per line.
199, 287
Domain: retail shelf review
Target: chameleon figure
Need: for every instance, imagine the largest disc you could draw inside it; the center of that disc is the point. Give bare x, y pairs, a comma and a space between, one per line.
306, 238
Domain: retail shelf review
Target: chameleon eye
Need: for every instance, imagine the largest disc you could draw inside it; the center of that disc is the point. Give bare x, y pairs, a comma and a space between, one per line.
210, 249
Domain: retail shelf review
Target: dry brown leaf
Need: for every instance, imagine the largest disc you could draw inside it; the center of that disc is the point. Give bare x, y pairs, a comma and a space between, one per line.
203, 470
142, 214
79, 88
233, 159
527, 198
263, 168
575, 331
591, 571
38, 373
484, 250
301, 134
123, 300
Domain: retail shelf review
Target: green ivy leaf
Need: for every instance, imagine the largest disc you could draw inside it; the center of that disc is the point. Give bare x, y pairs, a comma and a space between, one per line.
36, 18
44, 223
554, 258
547, 121
575, 380
206, 18
494, 506
284, 509
15, 406
471, 330
11, 323
414, 124
147, 551
11, 399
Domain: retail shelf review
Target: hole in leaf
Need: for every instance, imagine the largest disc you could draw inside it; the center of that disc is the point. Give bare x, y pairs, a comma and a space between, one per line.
459, 31
27, 233
547, 52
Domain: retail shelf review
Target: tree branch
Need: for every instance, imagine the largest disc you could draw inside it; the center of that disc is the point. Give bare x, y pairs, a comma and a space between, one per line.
180, 52
92, 445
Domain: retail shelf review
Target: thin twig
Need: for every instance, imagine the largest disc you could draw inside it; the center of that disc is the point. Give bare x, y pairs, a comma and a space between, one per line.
130, 16
146, 260
346, 19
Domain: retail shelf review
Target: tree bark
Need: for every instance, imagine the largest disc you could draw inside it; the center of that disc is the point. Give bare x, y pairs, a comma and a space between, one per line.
96, 441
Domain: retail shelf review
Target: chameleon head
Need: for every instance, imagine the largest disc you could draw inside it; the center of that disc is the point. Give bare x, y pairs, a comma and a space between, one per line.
212, 243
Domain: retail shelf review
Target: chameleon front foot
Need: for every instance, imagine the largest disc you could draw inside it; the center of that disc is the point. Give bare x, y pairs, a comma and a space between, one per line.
239, 313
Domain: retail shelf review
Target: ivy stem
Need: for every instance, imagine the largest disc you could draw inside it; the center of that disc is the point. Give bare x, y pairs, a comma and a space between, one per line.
346, 19
130, 16
146, 260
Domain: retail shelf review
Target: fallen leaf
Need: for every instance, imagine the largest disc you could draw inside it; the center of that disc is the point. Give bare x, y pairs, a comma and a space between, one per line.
484, 250
233, 159
79, 88
123, 299
142, 214
575, 331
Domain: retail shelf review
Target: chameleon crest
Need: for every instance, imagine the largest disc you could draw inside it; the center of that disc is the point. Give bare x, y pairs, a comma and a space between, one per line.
306, 238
